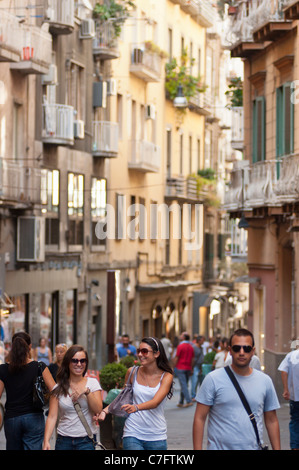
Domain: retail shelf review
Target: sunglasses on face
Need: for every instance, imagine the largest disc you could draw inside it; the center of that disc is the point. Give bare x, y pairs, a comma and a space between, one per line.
237, 348
76, 361
143, 351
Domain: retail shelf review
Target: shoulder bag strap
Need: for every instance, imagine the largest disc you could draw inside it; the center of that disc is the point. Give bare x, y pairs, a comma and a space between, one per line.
83, 420
134, 368
244, 401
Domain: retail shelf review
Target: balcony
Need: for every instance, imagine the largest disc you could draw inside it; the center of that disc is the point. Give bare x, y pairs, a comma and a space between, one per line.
20, 186
36, 52
58, 124
105, 43
271, 23
60, 16
181, 188
10, 38
104, 139
291, 10
237, 127
201, 103
269, 183
145, 156
205, 15
145, 64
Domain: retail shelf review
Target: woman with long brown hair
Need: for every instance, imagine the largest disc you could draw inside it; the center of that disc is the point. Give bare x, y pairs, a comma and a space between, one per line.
23, 424
73, 386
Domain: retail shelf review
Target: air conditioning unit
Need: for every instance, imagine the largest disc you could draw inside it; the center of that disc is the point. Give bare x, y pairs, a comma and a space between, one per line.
79, 129
111, 87
51, 77
87, 30
31, 239
150, 111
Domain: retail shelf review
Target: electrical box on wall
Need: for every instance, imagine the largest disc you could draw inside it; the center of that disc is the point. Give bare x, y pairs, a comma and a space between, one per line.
99, 94
31, 239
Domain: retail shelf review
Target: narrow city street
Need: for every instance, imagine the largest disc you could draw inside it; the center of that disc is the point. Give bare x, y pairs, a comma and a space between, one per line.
180, 421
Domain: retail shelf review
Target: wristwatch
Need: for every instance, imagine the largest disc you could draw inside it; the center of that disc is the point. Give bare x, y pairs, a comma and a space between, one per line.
87, 391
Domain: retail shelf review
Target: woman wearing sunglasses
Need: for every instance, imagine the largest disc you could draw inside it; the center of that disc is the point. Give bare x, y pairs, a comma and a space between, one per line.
145, 428
73, 386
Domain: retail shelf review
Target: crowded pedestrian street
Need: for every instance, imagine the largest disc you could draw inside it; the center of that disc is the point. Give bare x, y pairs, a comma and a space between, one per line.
180, 421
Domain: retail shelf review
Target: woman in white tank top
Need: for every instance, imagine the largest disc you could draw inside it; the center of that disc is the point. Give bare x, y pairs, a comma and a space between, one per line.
145, 428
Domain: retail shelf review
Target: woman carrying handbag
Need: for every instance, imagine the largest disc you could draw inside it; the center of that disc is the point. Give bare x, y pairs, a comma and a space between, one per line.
24, 424
145, 428
73, 387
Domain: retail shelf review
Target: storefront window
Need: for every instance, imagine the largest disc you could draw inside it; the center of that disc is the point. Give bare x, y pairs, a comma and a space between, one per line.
13, 322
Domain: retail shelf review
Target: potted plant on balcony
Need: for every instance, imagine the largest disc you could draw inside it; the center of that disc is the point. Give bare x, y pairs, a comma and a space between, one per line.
206, 187
116, 12
178, 75
152, 47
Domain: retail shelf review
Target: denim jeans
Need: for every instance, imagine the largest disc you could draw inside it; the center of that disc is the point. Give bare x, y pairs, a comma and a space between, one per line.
183, 376
132, 443
73, 443
25, 432
194, 380
294, 424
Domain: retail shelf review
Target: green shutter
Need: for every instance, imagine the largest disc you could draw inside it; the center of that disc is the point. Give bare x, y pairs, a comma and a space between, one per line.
259, 130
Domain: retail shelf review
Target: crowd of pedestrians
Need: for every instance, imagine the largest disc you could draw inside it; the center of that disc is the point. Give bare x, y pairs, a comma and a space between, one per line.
237, 397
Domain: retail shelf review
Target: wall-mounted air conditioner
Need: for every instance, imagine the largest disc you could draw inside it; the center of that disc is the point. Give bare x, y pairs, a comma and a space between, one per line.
51, 77
111, 87
150, 111
79, 129
31, 239
87, 29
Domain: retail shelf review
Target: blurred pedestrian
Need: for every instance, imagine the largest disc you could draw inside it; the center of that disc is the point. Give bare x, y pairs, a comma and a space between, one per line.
72, 387
126, 349
229, 426
146, 428
223, 355
198, 361
43, 353
183, 368
167, 346
60, 350
23, 424
289, 369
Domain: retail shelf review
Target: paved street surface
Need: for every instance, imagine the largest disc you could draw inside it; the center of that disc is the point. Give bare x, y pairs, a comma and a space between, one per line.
180, 421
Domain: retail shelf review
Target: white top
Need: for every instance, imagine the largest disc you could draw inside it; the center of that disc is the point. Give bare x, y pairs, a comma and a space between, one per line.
146, 425
290, 365
69, 422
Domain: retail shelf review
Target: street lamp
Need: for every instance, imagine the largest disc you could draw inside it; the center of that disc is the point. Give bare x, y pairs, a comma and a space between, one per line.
180, 101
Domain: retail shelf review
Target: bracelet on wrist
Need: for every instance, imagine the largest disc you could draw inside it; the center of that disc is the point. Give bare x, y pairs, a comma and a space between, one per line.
136, 408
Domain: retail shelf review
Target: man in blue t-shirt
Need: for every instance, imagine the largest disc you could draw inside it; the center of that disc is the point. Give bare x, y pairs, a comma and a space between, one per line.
126, 349
229, 426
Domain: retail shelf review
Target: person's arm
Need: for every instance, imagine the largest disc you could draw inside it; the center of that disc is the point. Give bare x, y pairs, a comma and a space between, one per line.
200, 417
50, 422
1, 388
95, 403
48, 378
284, 378
272, 426
156, 400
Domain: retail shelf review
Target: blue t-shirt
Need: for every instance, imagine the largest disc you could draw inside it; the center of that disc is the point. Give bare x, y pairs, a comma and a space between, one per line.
122, 351
229, 427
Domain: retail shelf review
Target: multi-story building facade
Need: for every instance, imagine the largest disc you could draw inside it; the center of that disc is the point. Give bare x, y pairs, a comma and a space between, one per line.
104, 227
263, 185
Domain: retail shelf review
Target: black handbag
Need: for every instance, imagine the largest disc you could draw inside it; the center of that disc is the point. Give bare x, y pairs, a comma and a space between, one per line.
246, 406
125, 397
40, 390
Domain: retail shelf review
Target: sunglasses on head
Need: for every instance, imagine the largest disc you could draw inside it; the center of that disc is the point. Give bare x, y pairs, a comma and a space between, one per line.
237, 348
143, 351
76, 361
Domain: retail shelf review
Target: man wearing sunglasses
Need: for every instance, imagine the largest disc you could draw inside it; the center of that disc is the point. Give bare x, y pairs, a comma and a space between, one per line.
229, 426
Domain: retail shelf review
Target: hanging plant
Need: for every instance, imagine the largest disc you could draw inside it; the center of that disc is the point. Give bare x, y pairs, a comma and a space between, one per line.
118, 12
176, 75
